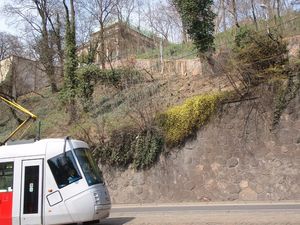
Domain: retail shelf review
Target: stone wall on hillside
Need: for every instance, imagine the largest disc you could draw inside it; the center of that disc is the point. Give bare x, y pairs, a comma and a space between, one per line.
234, 157
293, 46
192, 67
180, 67
5, 66
24, 75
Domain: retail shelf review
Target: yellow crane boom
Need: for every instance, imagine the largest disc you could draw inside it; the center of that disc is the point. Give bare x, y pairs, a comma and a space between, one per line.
15, 105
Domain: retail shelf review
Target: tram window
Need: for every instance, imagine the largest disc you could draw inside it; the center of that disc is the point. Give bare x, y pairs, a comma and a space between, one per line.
64, 169
6, 176
31, 190
90, 169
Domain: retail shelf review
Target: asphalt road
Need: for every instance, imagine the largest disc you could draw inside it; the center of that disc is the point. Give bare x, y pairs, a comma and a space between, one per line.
206, 214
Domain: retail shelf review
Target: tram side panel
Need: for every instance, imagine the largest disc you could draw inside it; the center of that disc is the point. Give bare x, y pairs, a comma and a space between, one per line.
6, 208
66, 194
16, 192
6, 191
55, 210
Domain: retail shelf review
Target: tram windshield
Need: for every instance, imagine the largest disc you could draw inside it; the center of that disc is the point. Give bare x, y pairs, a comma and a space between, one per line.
90, 169
64, 169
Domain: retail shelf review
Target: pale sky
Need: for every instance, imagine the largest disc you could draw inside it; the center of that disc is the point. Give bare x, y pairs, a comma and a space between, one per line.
3, 21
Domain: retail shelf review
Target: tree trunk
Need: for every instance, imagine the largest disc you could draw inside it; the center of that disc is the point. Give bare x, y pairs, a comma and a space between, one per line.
46, 52
235, 16
223, 14
50, 71
70, 62
253, 14
59, 46
278, 9
102, 46
184, 33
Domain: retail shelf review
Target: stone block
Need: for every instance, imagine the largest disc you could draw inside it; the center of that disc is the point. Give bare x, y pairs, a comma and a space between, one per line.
248, 194
232, 162
215, 167
233, 189
244, 184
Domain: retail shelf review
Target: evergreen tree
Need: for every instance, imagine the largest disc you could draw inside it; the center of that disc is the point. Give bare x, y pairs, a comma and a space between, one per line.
198, 18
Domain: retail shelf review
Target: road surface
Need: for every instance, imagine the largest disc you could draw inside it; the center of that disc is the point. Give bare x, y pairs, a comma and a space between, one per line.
286, 213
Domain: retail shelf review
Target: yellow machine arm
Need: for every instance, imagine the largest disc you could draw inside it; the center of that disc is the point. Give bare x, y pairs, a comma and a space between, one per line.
15, 105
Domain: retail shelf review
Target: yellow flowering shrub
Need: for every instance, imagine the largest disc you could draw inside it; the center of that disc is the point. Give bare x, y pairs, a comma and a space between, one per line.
180, 122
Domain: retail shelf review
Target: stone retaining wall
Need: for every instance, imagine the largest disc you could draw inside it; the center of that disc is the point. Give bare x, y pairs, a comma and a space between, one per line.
234, 157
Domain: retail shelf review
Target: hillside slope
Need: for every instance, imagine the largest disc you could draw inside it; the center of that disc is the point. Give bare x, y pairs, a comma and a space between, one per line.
116, 107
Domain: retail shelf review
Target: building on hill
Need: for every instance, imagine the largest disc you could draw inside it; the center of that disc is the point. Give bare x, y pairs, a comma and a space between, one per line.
121, 41
19, 76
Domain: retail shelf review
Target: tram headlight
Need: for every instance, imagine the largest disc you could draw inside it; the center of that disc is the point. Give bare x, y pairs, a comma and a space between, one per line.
97, 198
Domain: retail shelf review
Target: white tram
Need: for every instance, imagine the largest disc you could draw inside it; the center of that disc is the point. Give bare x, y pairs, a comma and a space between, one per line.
52, 181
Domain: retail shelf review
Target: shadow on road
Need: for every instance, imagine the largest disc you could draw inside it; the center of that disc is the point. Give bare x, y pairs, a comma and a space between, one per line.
116, 221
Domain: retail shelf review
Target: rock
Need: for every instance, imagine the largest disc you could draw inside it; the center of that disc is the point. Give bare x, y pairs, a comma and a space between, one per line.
205, 199
126, 183
284, 149
277, 163
248, 195
200, 168
139, 190
190, 145
189, 161
233, 197
233, 189
232, 162
244, 184
259, 188
215, 166
138, 179
189, 186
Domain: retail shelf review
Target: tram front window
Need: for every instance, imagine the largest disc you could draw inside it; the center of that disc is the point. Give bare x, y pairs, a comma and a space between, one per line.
89, 167
64, 169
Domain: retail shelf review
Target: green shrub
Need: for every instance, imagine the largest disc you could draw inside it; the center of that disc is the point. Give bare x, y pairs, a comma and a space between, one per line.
259, 56
128, 145
147, 147
181, 122
87, 76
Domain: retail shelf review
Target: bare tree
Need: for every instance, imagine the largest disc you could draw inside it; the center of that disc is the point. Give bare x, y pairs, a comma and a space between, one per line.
235, 13
101, 11
139, 5
223, 9
163, 19
36, 14
57, 39
220, 11
10, 45
85, 26
124, 10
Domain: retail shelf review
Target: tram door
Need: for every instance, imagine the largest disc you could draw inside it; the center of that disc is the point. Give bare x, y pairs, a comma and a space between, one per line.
31, 192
